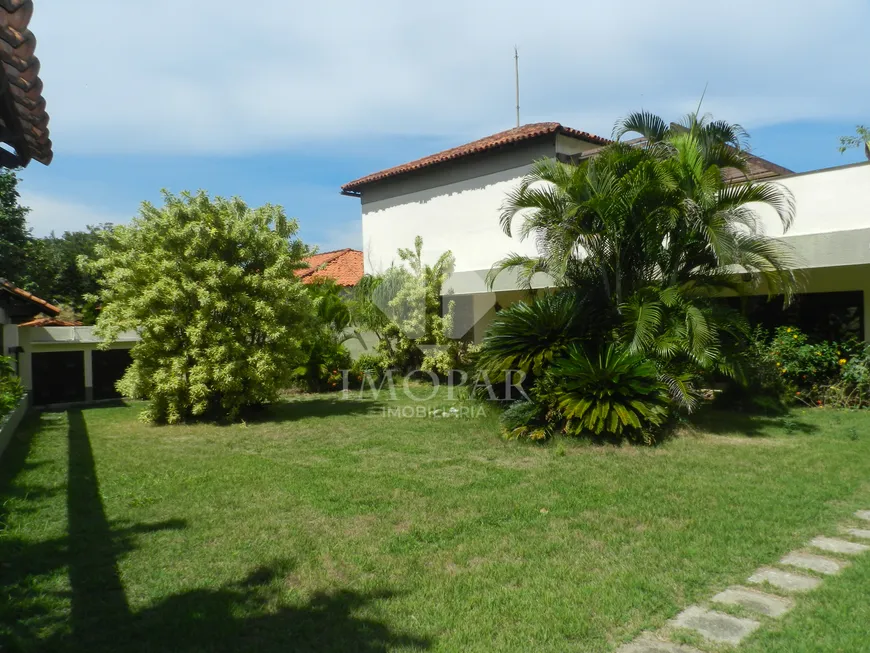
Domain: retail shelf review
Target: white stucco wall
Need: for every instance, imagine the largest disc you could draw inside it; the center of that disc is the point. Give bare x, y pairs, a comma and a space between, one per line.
463, 216
460, 217
837, 199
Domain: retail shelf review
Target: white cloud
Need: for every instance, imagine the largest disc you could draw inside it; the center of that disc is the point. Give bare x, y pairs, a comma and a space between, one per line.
223, 76
49, 213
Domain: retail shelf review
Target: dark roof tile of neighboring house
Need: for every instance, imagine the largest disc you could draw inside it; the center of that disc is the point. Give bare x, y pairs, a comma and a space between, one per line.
758, 169
515, 135
12, 289
22, 107
344, 266
50, 322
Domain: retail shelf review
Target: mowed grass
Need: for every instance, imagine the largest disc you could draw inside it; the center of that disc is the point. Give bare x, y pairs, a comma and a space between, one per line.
329, 525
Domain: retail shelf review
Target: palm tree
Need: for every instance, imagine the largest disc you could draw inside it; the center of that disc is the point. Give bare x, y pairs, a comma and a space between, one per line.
647, 233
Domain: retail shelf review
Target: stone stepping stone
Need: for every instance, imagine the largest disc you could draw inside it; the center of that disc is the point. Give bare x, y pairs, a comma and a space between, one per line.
784, 580
715, 626
813, 563
766, 604
858, 532
649, 644
834, 545
863, 514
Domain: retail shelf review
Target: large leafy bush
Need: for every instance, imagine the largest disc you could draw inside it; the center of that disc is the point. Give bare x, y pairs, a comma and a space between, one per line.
210, 286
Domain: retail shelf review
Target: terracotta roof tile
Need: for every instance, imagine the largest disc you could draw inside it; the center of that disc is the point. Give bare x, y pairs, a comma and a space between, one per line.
21, 85
20, 292
50, 322
344, 266
515, 135
758, 169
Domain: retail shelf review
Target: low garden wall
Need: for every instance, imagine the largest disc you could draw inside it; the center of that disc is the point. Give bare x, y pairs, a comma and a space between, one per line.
9, 423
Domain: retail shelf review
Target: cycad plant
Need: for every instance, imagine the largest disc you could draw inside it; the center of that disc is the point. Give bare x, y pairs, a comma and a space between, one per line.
613, 392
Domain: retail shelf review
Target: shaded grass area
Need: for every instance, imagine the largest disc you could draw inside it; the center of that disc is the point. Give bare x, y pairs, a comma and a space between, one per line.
325, 525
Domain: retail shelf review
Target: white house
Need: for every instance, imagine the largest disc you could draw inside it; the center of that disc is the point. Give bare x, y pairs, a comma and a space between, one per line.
58, 361
453, 200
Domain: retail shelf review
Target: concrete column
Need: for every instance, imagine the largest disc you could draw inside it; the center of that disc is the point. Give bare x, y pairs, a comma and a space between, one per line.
484, 312
89, 375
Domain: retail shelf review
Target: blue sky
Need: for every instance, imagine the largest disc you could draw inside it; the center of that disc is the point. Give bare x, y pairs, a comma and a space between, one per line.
283, 103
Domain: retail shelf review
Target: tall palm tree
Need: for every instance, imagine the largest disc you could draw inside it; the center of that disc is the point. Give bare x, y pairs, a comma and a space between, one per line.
647, 233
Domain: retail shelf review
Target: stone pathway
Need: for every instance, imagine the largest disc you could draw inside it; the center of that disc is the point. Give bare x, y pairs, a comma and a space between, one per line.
716, 628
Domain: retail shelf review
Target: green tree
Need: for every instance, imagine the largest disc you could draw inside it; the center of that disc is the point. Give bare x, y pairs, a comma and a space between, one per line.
54, 272
860, 139
646, 235
14, 234
210, 286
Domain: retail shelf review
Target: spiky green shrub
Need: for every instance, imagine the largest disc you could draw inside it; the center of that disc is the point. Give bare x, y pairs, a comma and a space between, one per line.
613, 394
528, 336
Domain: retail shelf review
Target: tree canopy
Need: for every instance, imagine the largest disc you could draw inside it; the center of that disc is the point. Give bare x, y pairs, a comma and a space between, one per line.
210, 286
14, 234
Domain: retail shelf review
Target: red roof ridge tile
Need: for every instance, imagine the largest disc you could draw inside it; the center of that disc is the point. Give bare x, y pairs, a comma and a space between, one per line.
15, 290
507, 137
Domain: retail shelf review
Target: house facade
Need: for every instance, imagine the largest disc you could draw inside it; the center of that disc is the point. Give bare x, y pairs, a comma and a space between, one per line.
59, 362
453, 200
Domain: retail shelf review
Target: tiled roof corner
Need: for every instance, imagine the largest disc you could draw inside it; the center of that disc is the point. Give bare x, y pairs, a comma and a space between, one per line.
344, 266
511, 136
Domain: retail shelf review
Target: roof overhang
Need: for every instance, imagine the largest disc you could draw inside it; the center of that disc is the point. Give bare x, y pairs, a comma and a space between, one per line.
23, 119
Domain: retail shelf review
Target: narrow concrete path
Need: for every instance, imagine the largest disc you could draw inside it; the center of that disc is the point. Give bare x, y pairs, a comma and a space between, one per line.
775, 594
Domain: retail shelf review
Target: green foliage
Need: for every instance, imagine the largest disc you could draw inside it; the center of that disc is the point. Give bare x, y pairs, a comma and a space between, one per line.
14, 234
403, 307
644, 237
325, 338
760, 385
529, 336
616, 393
54, 272
373, 364
805, 365
210, 286
861, 138
11, 389
525, 420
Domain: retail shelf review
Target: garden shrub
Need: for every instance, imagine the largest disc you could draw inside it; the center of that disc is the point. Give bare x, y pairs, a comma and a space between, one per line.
614, 393
525, 420
760, 385
210, 286
11, 389
374, 364
809, 367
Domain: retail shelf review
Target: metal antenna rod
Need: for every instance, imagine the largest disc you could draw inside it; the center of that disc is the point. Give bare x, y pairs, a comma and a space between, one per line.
517, 74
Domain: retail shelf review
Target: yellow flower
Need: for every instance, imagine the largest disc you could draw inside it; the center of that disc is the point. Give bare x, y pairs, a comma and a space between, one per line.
788, 330
842, 361
779, 364
795, 336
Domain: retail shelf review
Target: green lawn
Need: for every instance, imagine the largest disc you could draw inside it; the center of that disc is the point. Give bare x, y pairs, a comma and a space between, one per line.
328, 526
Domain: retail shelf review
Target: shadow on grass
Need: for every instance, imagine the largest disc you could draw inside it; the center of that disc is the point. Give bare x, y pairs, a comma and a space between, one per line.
95, 615
718, 421
304, 408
